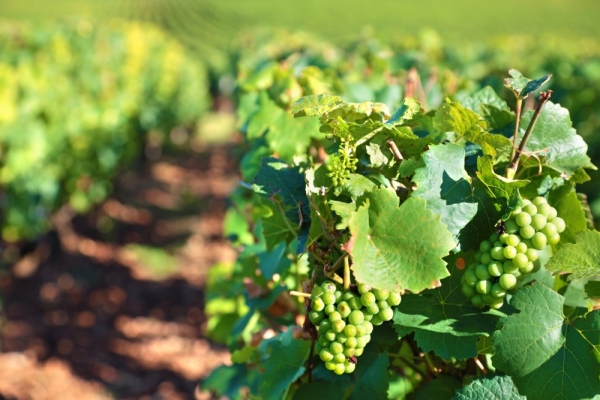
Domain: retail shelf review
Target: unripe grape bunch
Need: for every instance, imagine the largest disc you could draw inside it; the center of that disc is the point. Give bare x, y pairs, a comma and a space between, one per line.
345, 321
506, 258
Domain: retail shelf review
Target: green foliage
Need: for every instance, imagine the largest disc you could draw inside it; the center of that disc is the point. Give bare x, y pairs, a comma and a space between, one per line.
581, 259
400, 202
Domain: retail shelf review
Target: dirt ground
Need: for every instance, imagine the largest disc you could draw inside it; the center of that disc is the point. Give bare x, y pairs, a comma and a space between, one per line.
86, 317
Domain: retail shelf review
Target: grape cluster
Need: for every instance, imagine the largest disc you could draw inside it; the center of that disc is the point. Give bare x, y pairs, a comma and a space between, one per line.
504, 259
345, 321
340, 166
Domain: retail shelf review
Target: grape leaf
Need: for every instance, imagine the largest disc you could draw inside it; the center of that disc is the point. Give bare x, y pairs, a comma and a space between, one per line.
274, 261
442, 387
519, 349
568, 207
453, 117
277, 180
489, 388
315, 105
410, 112
443, 319
371, 376
286, 358
571, 373
592, 288
284, 135
491, 107
521, 86
344, 212
276, 228
554, 137
398, 248
446, 186
581, 260
499, 186
227, 380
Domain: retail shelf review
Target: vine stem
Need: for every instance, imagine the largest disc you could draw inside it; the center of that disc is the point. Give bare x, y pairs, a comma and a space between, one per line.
512, 167
517, 121
337, 264
394, 150
300, 294
346, 274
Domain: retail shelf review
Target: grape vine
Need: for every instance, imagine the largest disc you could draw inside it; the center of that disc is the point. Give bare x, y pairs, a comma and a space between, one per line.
456, 231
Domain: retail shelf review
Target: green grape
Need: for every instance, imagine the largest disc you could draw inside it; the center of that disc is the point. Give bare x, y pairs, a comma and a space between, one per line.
482, 272
394, 299
356, 317
554, 239
360, 330
325, 325
494, 237
527, 269
532, 254
328, 298
551, 214
383, 305
338, 326
502, 238
559, 223
539, 240
335, 316
373, 309
539, 200
317, 304
498, 253
381, 294
344, 309
476, 301
329, 309
530, 209
536, 266
339, 369
368, 299
361, 342
520, 261
509, 267
350, 330
487, 298
368, 327
468, 291
355, 303
518, 274
486, 258
341, 337
544, 209
363, 288
526, 202
387, 314
511, 226
496, 304
498, 291
330, 335
478, 256
351, 342
316, 317
358, 351
336, 348
328, 287
348, 352
349, 367
339, 358
326, 355
484, 287
330, 365
516, 212
549, 230
376, 320
471, 278
495, 268
323, 341
368, 317
523, 219
507, 281
347, 296
316, 292
521, 248
527, 232
338, 295
513, 240
497, 243
485, 246
509, 252
538, 222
